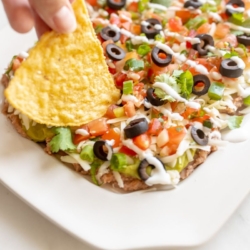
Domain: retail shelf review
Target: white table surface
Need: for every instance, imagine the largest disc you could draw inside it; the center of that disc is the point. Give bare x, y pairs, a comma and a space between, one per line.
22, 228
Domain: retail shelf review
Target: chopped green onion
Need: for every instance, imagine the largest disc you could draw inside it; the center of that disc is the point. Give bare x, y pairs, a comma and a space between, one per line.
207, 124
216, 90
195, 23
98, 29
134, 65
237, 18
142, 5
129, 45
246, 101
208, 8
119, 112
118, 161
165, 3
230, 54
160, 38
87, 153
127, 87
143, 49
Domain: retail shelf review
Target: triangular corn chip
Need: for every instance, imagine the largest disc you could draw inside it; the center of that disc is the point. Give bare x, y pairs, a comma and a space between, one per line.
65, 80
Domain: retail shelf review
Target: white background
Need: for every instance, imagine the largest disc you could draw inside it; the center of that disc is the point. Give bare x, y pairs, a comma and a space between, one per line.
22, 228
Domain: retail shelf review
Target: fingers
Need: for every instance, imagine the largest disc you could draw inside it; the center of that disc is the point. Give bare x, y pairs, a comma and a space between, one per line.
19, 15
40, 26
57, 14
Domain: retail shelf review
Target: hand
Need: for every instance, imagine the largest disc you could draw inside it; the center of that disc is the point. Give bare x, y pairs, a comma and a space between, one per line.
43, 14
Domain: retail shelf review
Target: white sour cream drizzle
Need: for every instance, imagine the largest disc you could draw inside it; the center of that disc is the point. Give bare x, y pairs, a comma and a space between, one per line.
157, 6
235, 9
158, 174
198, 67
240, 63
239, 28
215, 16
180, 38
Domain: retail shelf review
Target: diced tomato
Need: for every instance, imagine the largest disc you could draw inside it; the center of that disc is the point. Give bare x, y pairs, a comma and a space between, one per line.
133, 7
111, 134
78, 138
92, 2
98, 127
16, 63
176, 135
112, 70
135, 29
175, 24
110, 111
127, 151
155, 127
173, 105
228, 41
204, 28
222, 30
126, 25
142, 141
119, 79
201, 119
186, 114
184, 15
188, 45
123, 38
129, 109
193, 54
192, 33
114, 19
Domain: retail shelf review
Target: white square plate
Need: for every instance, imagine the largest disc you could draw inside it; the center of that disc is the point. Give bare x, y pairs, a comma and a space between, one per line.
184, 217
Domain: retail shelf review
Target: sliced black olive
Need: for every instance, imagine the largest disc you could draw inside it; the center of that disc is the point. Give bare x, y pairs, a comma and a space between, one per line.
116, 5
234, 3
153, 99
230, 69
205, 40
244, 39
199, 136
109, 34
159, 61
200, 79
142, 169
136, 127
149, 30
192, 3
114, 52
102, 150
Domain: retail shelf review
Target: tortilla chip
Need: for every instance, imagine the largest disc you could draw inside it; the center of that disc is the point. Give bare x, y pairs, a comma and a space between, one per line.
65, 80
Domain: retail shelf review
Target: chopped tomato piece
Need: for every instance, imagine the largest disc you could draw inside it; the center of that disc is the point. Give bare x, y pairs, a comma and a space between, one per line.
98, 127
127, 151
92, 2
78, 138
142, 141
110, 111
201, 119
155, 127
112, 70
126, 25
129, 109
184, 15
133, 7
135, 29
16, 63
222, 30
119, 79
176, 135
111, 134
114, 19
186, 114
175, 24
204, 28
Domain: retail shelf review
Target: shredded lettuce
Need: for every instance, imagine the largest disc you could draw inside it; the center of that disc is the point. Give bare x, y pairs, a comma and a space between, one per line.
234, 121
186, 83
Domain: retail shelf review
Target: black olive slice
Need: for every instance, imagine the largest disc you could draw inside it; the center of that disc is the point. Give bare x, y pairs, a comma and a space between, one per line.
109, 34
199, 136
153, 99
244, 39
149, 30
114, 52
192, 3
234, 3
142, 169
116, 5
136, 127
200, 79
100, 152
205, 40
159, 61
230, 69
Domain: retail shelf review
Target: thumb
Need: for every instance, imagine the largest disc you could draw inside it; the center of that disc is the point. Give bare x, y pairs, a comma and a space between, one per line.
57, 14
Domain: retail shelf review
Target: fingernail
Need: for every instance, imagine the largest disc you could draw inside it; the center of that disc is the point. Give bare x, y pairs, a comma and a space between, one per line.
64, 20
